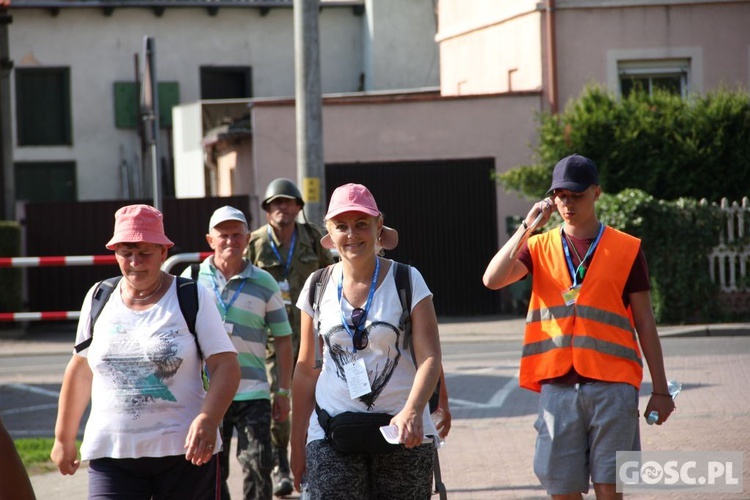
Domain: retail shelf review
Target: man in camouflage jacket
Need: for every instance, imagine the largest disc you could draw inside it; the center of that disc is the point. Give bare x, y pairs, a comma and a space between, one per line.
290, 251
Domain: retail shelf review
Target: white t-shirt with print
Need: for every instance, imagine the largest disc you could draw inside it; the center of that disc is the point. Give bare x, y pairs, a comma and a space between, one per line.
147, 387
389, 364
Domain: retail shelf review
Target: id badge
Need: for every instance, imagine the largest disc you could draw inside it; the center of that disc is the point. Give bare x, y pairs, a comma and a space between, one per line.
571, 295
229, 327
357, 379
286, 293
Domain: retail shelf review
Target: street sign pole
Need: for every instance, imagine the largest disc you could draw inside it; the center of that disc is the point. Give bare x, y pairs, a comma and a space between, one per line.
150, 114
308, 108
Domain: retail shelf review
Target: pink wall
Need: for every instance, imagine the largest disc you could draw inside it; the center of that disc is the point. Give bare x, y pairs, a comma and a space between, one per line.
406, 128
720, 33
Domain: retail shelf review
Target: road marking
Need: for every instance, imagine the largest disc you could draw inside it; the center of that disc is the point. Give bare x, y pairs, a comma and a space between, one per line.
27, 409
35, 390
496, 401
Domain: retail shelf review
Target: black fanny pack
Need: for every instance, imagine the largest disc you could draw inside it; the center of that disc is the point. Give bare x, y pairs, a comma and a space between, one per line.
356, 432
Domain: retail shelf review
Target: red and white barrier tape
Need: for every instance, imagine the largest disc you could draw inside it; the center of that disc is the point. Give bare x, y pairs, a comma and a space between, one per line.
36, 316
76, 260
70, 260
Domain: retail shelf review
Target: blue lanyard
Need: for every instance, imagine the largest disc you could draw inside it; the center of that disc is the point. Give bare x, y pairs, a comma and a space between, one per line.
224, 306
569, 259
275, 249
367, 304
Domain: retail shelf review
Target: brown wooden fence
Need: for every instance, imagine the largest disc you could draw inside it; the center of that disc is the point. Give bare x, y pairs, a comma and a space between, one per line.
83, 228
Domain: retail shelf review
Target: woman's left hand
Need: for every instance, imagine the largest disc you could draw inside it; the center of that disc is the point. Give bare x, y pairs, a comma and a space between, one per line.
410, 427
201, 440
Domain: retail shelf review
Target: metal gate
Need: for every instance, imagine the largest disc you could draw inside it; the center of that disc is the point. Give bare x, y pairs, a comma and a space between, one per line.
445, 212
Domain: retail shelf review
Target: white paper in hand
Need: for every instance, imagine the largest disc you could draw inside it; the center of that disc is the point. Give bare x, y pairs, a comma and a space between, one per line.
390, 433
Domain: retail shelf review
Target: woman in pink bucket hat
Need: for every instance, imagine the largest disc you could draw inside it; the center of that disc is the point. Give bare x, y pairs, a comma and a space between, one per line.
152, 431
367, 368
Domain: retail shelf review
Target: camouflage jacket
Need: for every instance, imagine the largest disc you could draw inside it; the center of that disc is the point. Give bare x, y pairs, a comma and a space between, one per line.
308, 256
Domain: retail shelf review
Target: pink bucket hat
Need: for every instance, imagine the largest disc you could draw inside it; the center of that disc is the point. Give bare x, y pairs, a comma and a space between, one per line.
357, 198
139, 223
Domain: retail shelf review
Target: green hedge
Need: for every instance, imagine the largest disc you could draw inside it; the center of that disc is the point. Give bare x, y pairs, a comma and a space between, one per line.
10, 278
677, 237
662, 144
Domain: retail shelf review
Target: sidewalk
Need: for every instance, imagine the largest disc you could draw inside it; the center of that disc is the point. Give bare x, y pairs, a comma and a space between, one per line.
489, 452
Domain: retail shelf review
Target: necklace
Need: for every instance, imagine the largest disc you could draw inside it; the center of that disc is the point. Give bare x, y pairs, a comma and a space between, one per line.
141, 299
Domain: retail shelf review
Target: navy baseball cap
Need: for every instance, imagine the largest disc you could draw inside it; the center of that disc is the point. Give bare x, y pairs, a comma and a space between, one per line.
574, 173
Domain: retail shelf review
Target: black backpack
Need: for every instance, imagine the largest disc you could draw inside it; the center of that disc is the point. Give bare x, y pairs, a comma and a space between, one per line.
187, 296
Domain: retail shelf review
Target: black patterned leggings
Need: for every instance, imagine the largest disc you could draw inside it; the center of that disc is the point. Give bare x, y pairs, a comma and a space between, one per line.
404, 474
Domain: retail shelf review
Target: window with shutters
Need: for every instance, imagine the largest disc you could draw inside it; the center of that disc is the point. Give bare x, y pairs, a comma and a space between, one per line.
43, 116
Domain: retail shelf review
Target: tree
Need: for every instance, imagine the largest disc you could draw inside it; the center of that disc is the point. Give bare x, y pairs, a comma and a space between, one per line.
661, 144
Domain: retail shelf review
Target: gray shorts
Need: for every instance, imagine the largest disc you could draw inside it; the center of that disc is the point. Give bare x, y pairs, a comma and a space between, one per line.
580, 428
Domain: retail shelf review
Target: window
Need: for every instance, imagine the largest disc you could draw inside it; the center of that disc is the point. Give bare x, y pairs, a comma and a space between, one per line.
671, 75
226, 82
43, 115
46, 181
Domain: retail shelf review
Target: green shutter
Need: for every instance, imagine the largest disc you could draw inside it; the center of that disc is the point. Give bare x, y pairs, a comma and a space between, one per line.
169, 97
43, 115
127, 102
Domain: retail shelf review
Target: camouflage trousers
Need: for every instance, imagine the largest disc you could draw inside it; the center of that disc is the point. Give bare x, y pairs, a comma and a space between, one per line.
252, 420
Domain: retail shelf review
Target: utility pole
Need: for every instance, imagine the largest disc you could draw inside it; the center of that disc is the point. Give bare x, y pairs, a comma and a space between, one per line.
308, 108
150, 113
7, 175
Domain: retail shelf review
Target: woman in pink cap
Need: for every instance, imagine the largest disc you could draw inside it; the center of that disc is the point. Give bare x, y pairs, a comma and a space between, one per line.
367, 367
153, 431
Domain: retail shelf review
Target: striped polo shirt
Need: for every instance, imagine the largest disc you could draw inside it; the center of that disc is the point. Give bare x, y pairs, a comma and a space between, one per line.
251, 302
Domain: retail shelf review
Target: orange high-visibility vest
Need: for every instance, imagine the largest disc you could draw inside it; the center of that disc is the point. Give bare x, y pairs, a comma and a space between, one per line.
596, 335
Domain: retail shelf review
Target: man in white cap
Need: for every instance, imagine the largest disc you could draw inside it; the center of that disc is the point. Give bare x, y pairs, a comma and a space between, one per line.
290, 251
251, 306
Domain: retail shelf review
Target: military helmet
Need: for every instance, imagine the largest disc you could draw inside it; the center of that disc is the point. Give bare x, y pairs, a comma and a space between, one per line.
281, 187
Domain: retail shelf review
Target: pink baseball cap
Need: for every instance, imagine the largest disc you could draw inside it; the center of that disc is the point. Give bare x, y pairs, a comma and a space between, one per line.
357, 198
139, 223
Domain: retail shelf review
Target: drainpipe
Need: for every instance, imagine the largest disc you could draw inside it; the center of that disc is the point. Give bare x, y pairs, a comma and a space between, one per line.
551, 57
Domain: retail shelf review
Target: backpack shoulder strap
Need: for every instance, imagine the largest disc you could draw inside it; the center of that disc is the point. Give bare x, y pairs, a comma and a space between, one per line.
318, 285
187, 296
195, 269
100, 297
403, 287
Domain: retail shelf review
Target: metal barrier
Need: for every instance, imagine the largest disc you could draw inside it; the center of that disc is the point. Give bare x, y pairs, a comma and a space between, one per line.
77, 260
184, 257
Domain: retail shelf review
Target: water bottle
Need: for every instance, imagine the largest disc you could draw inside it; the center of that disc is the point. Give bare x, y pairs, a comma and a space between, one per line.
304, 493
437, 417
674, 387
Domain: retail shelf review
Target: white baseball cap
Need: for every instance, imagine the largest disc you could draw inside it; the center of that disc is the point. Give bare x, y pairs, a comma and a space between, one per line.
224, 214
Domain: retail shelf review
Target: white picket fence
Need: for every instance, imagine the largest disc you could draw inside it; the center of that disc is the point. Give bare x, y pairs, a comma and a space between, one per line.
728, 262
